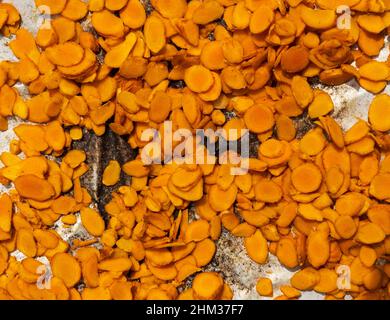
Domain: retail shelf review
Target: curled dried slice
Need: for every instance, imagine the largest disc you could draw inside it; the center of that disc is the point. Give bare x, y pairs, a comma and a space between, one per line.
321, 105
221, 200
370, 233
73, 52
317, 18
92, 221
74, 72
295, 59
117, 55
302, 91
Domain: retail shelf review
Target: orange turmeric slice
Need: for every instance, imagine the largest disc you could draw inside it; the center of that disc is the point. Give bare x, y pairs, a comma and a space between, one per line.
207, 12
133, 14
92, 221
295, 59
259, 119
306, 178
317, 18
107, 24
66, 267
31, 187
378, 111
257, 247
71, 50
370, 233
207, 285
198, 78
154, 31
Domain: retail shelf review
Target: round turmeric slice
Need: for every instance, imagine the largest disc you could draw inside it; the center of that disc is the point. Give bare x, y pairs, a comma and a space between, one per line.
198, 78
378, 113
306, 178
295, 59
261, 19
259, 119
212, 56
221, 200
268, 191
380, 186
207, 285
73, 52
66, 267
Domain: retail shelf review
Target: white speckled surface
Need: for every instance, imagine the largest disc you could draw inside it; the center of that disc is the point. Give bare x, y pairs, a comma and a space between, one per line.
240, 272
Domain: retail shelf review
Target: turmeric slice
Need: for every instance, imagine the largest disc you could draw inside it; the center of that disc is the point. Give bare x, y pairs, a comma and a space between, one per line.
261, 19
207, 285
257, 247
264, 287
306, 178
92, 221
111, 173
259, 119
378, 111
35, 188
154, 31
66, 268
198, 78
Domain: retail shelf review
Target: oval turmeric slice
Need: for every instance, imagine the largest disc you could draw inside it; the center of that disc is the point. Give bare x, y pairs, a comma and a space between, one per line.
378, 113
317, 18
92, 221
107, 24
133, 14
65, 267
154, 32
257, 247
31, 187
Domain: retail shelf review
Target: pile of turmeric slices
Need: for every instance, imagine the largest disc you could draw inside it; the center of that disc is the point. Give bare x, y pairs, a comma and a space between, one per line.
317, 202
